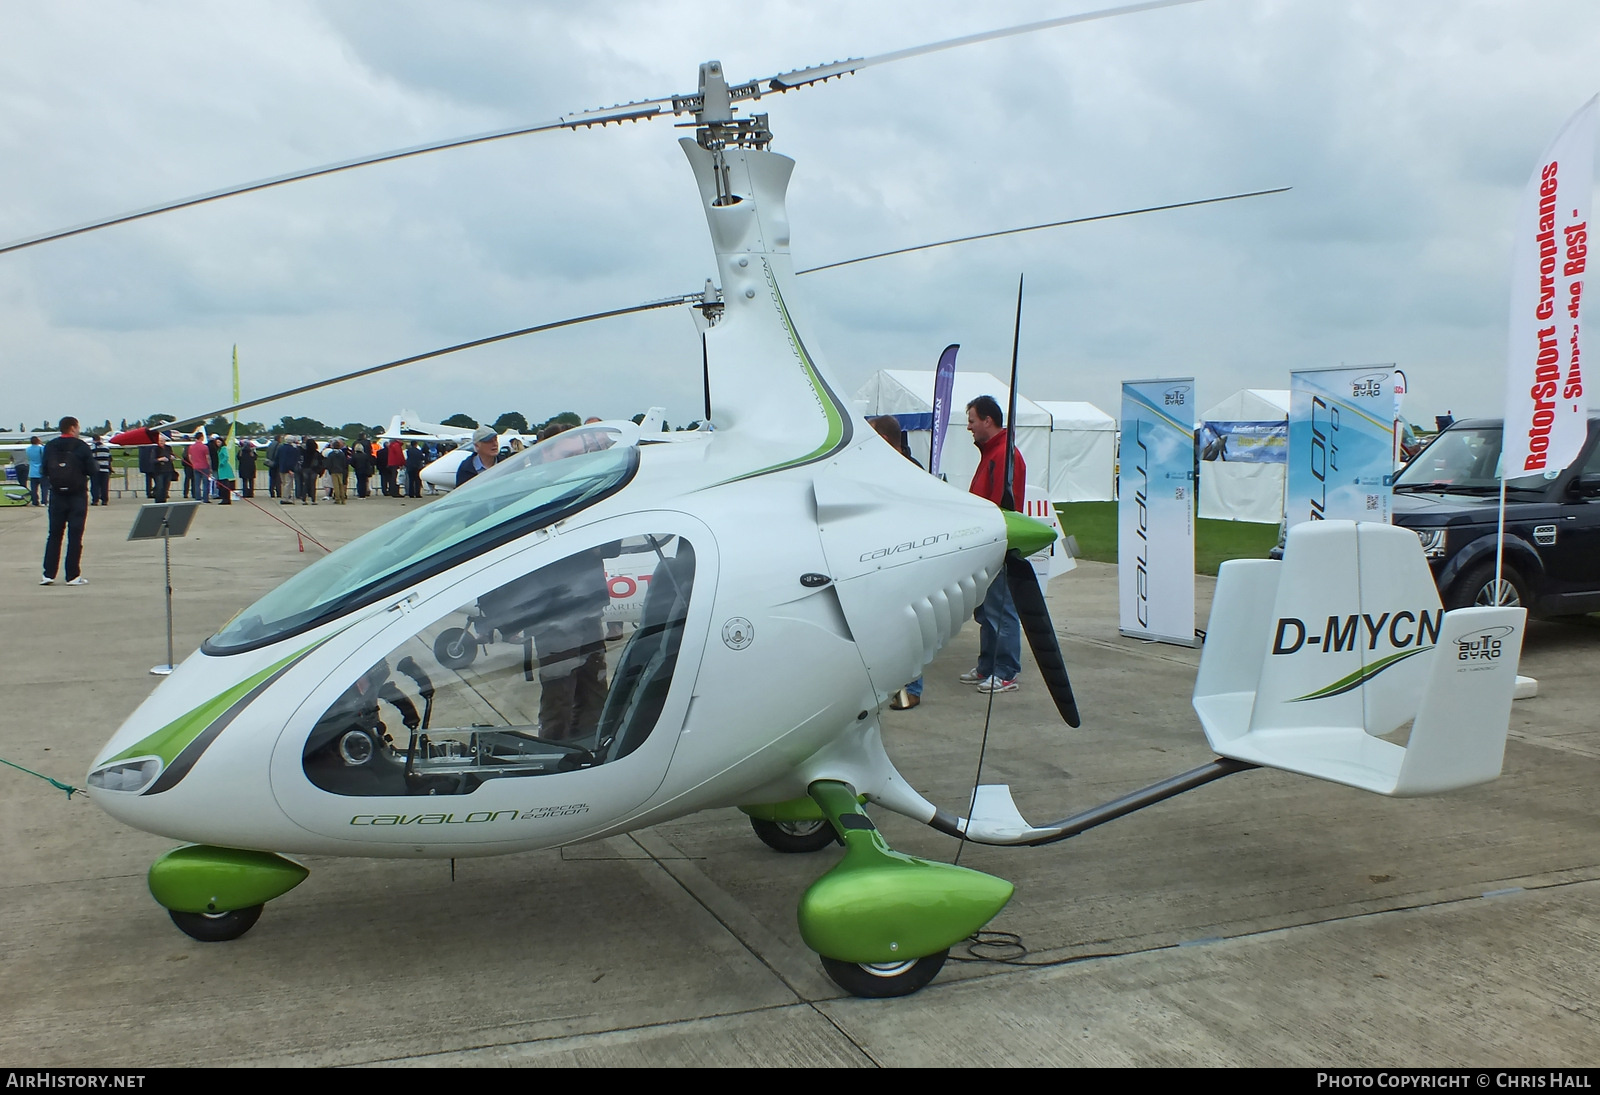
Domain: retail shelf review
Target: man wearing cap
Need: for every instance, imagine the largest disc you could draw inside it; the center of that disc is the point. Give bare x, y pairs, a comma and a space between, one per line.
485, 447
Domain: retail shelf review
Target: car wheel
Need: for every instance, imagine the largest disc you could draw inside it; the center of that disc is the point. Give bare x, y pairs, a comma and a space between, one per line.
1477, 588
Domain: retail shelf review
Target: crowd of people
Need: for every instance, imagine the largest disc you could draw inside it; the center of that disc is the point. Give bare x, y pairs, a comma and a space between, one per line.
296, 469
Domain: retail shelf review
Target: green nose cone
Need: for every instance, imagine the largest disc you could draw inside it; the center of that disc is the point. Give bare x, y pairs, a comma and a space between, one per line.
1027, 535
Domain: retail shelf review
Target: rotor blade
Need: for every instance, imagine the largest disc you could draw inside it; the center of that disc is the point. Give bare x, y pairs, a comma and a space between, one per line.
628, 112
1051, 224
623, 112
817, 73
1042, 640
669, 302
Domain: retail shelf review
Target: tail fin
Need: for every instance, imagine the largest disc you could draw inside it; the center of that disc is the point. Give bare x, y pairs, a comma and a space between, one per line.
1307, 662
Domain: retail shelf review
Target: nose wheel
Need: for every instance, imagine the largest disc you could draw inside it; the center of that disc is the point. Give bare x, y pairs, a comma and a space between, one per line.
216, 927
880, 980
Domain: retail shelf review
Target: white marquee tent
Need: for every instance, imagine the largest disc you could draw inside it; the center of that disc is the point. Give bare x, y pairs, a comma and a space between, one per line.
908, 395
1083, 452
1243, 442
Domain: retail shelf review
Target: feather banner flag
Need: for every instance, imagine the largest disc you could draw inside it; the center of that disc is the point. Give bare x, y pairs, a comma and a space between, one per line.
1545, 421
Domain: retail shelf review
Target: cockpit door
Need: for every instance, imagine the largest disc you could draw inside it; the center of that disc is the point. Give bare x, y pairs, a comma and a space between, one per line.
527, 698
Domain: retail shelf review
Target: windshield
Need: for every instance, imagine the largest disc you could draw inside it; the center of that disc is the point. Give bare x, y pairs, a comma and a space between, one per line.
1463, 460
509, 500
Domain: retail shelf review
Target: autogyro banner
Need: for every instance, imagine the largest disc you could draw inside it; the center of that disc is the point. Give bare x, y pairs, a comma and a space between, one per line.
1341, 444
1545, 420
1155, 511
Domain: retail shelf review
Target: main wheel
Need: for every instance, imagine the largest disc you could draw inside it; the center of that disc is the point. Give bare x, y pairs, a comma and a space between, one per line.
878, 980
216, 927
1477, 587
455, 648
794, 836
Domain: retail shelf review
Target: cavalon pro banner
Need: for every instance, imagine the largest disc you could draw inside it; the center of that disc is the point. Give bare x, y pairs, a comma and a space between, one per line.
1155, 511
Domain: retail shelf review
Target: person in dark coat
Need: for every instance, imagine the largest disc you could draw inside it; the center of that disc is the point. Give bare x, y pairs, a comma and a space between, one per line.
163, 474
147, 468
287, 466
415, 458
247, 469
337, 462
361, 464
69, 468
274, 490
310, 471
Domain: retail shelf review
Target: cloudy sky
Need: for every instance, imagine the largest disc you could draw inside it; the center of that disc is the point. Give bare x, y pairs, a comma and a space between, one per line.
1406, 127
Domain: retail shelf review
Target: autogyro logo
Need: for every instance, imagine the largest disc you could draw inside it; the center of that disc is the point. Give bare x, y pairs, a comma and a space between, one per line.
909, 545
1175, 396
1485, 646
1368, 387
1399, 630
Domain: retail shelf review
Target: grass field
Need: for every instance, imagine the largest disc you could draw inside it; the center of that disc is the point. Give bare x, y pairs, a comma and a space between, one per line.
1095, 526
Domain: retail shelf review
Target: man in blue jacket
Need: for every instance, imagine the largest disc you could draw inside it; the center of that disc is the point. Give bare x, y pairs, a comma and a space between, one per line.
38, 489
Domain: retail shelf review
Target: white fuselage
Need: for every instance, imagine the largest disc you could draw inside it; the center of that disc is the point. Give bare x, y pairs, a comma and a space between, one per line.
827, 572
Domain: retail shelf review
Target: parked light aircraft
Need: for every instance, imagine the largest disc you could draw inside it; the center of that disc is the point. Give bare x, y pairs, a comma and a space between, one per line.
803, 572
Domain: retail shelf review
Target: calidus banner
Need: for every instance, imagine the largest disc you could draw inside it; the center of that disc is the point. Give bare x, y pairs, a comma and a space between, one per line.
1155, 511
1545, 420
1341, 444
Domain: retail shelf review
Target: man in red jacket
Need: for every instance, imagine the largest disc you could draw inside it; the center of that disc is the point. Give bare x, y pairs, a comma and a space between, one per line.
999, 628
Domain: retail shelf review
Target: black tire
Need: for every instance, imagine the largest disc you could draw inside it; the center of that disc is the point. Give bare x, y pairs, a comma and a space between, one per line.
794, 837
879, 981
1476, 587
455, 648
216, 927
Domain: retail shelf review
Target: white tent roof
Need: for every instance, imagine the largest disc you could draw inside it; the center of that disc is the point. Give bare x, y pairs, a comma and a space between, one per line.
1072, 415
910, 391
1250, 405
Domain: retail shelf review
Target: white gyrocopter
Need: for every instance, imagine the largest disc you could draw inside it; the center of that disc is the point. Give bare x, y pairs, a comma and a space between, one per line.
340, 714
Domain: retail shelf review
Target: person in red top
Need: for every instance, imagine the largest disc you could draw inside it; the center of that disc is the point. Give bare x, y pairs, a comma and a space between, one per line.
999, 628
393, 459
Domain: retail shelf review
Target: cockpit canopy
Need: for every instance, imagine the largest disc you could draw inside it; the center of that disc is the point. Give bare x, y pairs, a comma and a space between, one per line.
533, 489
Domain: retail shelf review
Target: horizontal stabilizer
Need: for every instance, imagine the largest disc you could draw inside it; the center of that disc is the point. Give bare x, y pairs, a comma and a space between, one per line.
1308, 662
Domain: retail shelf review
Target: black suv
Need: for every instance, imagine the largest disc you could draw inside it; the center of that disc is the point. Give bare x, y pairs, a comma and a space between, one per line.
1448, 495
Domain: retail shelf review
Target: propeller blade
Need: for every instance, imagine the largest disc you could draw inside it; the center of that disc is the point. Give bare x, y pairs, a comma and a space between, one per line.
1041, 632
187, 423
1037, 227
1008, 498
800, 77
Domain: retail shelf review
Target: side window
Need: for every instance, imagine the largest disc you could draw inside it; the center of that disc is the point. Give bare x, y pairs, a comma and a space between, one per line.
558, 670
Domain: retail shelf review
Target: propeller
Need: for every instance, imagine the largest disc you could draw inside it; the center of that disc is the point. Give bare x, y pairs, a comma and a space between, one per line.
1024, 581
711, 105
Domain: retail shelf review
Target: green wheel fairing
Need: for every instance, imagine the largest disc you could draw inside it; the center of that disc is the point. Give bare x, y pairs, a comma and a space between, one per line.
1360, 676
839, 429
198, 878
878, 905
